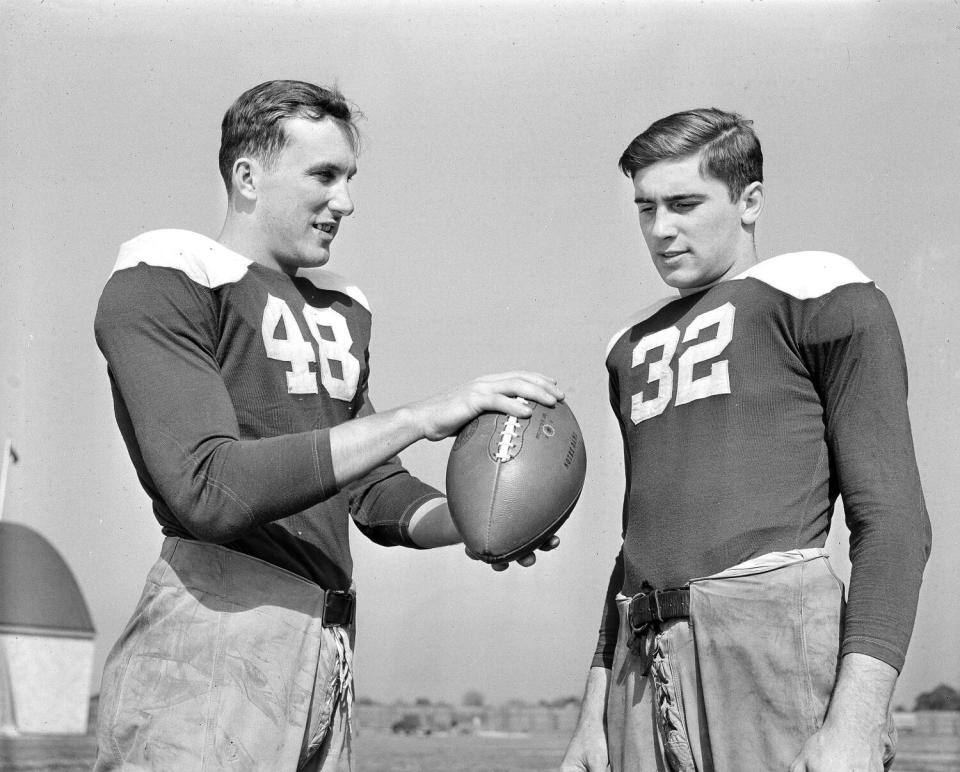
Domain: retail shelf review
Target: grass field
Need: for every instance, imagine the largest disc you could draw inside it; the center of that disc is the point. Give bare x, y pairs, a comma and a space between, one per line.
385, 752
381, 752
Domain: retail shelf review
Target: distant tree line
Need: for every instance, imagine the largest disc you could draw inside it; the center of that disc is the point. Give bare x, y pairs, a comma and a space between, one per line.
942, 698
475, 699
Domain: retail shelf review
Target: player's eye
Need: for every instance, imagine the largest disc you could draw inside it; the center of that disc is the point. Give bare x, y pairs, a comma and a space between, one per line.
325, 176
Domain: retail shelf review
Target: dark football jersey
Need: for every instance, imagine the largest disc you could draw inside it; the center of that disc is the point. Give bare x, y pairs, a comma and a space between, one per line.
745, 410
226, 378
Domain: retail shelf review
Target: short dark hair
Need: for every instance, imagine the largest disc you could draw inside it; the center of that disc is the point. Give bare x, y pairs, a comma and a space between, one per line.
731, 149
254, 123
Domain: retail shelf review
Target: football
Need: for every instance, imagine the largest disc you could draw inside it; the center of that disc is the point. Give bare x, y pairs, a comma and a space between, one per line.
511, 482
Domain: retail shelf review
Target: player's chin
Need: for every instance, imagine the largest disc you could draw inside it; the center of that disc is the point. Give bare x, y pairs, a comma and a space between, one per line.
685, 282
677, 277
315, 257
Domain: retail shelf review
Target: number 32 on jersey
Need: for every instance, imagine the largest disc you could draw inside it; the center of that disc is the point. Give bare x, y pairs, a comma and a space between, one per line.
300, 353
663, 371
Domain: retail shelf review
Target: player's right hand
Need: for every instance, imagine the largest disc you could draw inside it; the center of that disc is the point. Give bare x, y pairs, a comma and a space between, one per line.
587, 752
443, 415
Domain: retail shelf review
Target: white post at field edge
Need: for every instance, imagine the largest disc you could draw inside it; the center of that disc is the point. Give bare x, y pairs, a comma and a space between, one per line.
9, 454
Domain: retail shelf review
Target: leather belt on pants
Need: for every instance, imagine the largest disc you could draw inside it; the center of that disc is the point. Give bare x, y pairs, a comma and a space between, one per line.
658, 606
339, 607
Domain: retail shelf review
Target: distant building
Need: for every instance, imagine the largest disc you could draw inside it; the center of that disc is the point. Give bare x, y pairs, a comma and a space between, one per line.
46, 638
512, 718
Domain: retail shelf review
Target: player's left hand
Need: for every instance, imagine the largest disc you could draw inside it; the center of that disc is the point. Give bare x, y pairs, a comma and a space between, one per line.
526, 560
836, 750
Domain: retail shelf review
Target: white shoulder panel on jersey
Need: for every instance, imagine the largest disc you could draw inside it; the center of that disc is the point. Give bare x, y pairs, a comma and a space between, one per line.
638, 317
204, 260
323, 279
805, 275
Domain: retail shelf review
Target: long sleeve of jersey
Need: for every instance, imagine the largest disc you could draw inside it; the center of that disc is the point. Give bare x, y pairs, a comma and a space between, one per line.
746, 410
226, 378
158, 332
373, 499
855, 355
609, 619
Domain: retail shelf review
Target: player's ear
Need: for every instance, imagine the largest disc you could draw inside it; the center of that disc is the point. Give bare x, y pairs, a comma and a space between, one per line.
751, 203
245, 177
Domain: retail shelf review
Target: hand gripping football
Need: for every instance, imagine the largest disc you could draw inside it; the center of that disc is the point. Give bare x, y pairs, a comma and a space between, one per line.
511, 482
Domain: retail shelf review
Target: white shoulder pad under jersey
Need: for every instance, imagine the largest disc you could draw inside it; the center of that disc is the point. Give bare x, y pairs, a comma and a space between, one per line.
205, 261
327, 280
210, 264
639, 316
805, 275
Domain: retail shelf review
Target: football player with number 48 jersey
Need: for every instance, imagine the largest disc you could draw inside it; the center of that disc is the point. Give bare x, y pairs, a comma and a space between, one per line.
239, 368
747, 404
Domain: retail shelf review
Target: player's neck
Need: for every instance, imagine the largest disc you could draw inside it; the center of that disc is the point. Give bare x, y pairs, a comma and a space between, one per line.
238, 235
744, 261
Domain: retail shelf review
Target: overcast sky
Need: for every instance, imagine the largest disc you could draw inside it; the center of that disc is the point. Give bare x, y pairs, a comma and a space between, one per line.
492, 231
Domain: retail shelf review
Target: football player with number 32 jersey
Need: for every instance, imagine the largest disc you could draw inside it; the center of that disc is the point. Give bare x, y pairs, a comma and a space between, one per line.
747, 404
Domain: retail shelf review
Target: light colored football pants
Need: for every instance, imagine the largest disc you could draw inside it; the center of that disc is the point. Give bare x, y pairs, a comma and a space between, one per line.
225, 664
742, 684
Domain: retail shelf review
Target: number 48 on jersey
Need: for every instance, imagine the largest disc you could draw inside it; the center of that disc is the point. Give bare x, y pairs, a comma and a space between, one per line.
341, 381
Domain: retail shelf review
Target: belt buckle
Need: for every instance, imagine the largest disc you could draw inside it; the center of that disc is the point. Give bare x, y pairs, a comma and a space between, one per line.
333, 602
638, 630
655, 606
651, 602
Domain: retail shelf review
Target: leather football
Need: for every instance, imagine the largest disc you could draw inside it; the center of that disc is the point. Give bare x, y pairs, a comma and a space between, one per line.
512, 482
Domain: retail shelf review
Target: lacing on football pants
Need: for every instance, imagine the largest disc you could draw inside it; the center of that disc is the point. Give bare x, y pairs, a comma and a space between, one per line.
742, 683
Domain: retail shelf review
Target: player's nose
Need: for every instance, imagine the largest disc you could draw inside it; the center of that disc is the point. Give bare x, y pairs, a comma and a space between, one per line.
663, 226
341, 202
